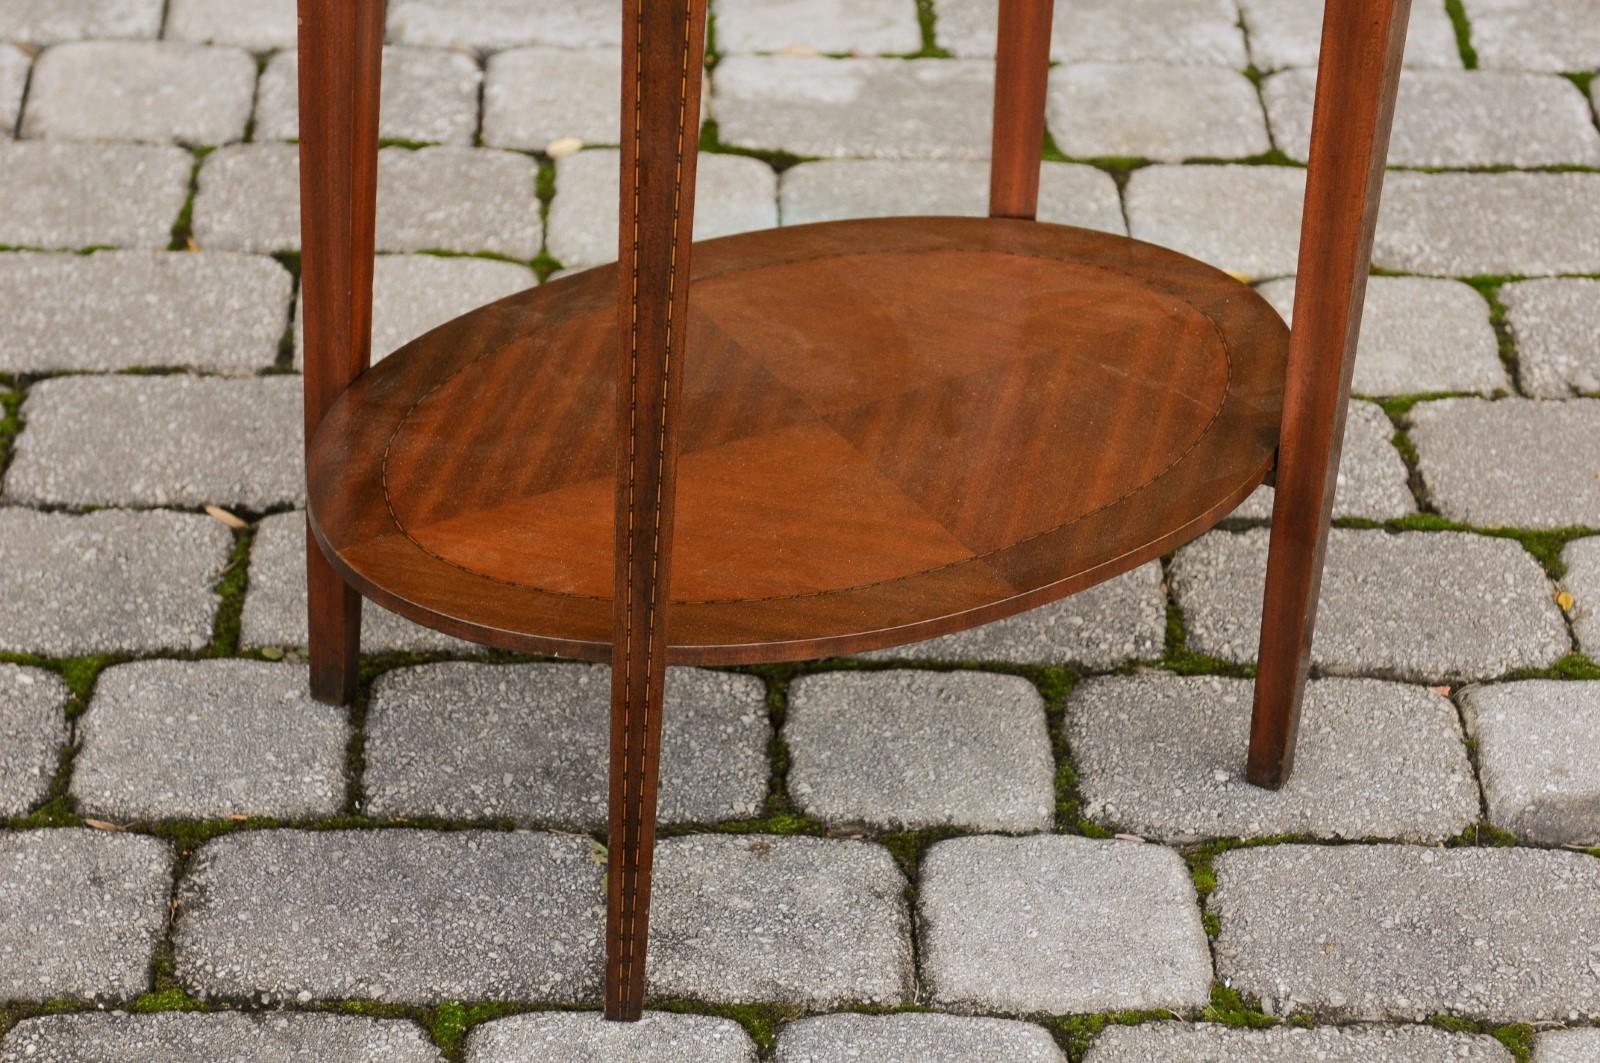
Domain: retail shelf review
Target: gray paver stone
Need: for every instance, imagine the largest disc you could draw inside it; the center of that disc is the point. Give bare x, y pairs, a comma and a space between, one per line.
440, 198
74, 196
14, 65
133, 309
1123, 619
1556, 35
733, 195
1567, 1046
267, 1037
401, 916
1241, 218
1059, 924
833, 189
33, 728
413, 294
864, 27
275, 602
1465, 224
36, 22
1188, 32
1539, 754
533, 96
1418, 335
1187, 783
1582, 579
248, 199
259, 25
107, 581
915, 1038
494, 24
909, 750
528, 742
789, 920
84, 910
1458, 118
871, 108
458, 199
429, 95
1556, 325
1373, 480
182, 441
658, 1037
1416, 605
1512, 463
158, 91
208, 740
1173, 1042
1155, 111
1289, 33
1374, 932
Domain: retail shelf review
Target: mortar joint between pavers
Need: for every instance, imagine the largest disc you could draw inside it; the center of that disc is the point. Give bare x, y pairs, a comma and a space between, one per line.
183, 225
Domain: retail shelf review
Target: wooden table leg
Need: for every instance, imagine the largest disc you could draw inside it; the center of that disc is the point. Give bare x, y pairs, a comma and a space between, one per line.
663, 53
1362, 44
1021, 77
341, 49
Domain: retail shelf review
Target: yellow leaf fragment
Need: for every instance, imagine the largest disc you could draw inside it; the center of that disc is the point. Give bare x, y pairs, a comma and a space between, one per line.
220, 514
561, 147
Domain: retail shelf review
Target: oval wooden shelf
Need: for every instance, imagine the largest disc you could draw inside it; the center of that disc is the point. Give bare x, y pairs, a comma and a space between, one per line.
892, 429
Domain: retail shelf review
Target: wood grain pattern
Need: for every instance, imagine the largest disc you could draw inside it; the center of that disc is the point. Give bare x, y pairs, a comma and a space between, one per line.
891, 429
341, 47
1021, 79
663, 48
1359, 72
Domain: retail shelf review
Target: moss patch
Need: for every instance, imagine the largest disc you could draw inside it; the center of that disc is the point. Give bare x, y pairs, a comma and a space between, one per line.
1458, 20
1076, 1033
1229, 1007
711, 143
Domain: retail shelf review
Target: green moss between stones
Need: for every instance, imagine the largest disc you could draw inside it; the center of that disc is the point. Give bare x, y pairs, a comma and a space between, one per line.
928, 23
1177, 658
230, 588
1076, 1033
1544, 544
1572, 666
1516, 1037
1229, 1007
1463, 28
1482, 835
760, 1021
183, 229
451, 1021
10, 424
711, 143
11, 1014
169, 999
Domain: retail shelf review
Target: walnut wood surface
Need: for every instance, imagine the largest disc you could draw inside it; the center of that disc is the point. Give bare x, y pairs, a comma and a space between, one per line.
891, 429
1358, 75
341, 45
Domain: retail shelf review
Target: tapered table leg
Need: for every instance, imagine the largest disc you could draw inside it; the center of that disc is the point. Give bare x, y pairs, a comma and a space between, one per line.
341, 49
663, 57
1362, 44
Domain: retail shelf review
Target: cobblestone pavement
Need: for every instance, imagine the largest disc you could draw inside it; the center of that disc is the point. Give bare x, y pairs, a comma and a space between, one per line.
1049, 853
